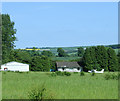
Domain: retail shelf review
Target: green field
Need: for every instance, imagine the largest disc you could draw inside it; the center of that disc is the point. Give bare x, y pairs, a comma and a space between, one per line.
64, 58
18, 85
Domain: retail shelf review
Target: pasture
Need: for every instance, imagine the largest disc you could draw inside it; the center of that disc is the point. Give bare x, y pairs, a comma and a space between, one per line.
17, 85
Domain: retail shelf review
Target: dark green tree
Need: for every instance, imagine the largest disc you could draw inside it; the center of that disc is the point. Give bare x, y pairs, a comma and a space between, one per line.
47, 53
118, 60
8, 37
80, 51
102, 57
61, 52
40, 63
87, 61
112, 60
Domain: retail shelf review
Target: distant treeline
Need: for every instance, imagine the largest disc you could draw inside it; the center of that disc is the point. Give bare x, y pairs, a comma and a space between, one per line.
116, 46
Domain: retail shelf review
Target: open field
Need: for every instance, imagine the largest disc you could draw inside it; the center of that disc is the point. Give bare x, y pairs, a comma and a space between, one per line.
17, 85
64, 58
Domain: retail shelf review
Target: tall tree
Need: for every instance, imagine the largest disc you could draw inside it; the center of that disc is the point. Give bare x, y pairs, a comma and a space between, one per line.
41, 63
80, 51
87, 60
61, 52
118, 60
102, 57
8, 37
112, 60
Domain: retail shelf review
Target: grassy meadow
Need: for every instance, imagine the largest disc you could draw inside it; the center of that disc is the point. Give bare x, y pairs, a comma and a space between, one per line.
18, 85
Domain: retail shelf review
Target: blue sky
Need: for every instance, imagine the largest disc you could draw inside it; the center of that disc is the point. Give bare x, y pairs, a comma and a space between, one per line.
50, 24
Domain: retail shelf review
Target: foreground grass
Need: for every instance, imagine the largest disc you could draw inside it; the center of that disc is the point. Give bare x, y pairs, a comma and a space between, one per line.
17, 85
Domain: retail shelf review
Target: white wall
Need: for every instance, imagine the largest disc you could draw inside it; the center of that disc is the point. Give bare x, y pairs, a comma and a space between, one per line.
69, 70
15, 66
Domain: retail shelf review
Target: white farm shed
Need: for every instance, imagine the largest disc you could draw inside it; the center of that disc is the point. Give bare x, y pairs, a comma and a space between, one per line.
15, 66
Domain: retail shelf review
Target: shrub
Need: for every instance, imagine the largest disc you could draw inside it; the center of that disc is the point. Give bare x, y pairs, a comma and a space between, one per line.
62, 74
82, 73
27, 72
111, 76
118, 75
67, 73
16, 71
114, 76
59, 73
107, 76
75, 72
39, 94
4, 72
93, 74
53, 74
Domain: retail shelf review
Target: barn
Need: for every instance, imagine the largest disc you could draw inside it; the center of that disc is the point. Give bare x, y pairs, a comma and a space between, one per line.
15, 66
68, 67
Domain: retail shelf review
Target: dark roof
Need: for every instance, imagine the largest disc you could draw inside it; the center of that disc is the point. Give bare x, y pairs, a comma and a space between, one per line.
67, 64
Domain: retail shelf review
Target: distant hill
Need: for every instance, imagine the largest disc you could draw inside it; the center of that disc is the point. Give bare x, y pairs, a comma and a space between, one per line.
70, 50
115, 46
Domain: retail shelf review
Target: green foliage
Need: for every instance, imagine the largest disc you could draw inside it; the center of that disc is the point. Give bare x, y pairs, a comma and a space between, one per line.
59, 73
80, 51
99, 58
53, 74
8, 37
47, 53
93, 74
75, 72
39, 94
111, 76
61, 52
67, 73
40, 63
82, 73
118, 60
112, 60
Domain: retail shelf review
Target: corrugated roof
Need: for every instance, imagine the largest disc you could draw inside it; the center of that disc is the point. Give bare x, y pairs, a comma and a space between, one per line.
15, 63
67, 64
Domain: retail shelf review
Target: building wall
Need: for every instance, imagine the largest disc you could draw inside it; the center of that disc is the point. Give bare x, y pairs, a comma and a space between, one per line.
12, 67
69, 70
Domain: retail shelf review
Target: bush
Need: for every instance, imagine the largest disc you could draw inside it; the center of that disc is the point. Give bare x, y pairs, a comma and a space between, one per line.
75, 72
59, 73
93, 74
107, 76
16, 71
53, 74
114, 76
82, 73
39, 94
4, 72
118, 75
67, 73
111, 76
27, 72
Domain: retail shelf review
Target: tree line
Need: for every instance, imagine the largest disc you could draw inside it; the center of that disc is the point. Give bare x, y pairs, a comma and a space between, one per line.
92, 58
99, 58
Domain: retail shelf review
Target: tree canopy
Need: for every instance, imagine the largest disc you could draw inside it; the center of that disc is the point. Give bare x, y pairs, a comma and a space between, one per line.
99, 58
8, 37
61, 52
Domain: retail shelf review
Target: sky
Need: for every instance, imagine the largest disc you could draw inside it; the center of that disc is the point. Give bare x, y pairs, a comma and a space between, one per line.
63, 24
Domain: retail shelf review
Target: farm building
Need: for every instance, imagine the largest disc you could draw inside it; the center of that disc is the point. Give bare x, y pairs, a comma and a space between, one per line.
15, 66
68, 66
